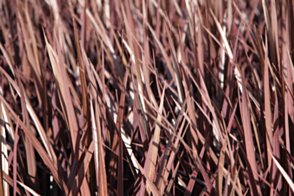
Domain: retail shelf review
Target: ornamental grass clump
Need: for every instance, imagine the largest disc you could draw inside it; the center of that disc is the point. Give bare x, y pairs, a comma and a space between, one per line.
151, 97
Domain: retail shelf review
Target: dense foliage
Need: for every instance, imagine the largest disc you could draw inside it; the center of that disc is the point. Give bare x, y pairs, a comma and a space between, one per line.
152, 97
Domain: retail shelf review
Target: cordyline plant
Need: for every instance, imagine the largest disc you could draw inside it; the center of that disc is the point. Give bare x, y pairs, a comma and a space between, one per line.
151, 97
